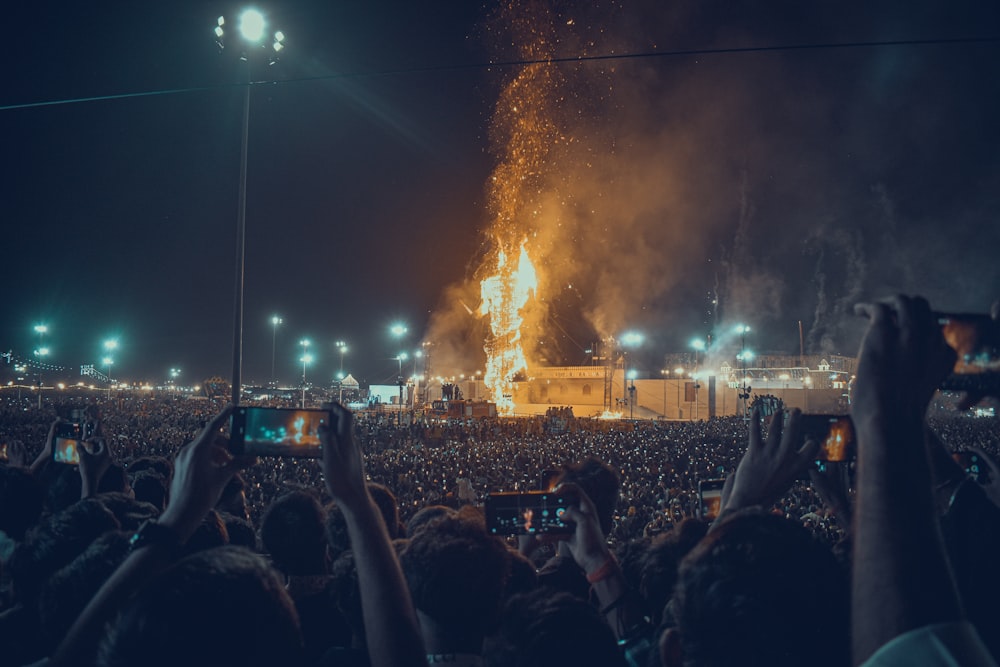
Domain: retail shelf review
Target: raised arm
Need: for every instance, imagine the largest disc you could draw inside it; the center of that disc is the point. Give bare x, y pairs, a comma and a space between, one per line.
901, 580
201, 471
391, 630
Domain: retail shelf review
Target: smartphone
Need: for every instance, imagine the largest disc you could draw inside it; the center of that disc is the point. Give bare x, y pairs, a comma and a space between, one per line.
549, 479
67, 443
529, 513
973, 466
277, 432
976, 341
835, 435
710, 498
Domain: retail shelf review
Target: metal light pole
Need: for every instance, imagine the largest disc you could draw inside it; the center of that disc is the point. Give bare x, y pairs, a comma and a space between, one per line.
41, 352
342, 346
275, 321
109, 346
306, 359
251, 27
744, 356
401, 357
629, 340
631, 395
679, 372
398, 330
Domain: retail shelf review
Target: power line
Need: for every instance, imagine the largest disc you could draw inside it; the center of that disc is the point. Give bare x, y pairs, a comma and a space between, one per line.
522, 63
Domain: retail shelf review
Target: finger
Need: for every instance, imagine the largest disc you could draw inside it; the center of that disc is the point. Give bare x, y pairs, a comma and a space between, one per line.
578, 496
755, 429
809, 449
877, 313
987, 459
774, 432
791, 430
213, 427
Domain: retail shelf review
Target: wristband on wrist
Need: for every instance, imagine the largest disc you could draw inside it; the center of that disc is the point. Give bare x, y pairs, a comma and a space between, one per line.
153, 534
603, 572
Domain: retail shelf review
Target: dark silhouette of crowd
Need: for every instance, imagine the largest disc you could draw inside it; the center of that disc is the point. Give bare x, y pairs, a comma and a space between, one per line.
161, 547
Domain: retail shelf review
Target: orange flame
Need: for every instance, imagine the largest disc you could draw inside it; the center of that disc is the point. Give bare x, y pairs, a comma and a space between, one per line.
504, 295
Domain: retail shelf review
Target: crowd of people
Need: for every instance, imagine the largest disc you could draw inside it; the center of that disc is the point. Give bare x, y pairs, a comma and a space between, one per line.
160, 541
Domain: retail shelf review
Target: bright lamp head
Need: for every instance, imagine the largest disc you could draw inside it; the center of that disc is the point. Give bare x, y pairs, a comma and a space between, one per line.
252, 25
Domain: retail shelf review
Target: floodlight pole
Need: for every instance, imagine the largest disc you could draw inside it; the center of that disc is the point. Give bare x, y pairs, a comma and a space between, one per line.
241, 232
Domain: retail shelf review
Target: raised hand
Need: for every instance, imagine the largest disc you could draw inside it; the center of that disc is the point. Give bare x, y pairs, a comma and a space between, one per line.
201, 471
769, 466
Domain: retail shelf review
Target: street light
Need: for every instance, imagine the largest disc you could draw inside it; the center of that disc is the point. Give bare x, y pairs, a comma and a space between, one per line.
700, 346
275, 321
401, 357
629, 340
306, 359
252, 26
342, 347
744, 356
398, 330
631, 394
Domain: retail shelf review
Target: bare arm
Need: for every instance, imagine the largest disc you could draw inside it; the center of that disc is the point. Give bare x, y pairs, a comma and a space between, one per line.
901, 579
201, 471
391, 629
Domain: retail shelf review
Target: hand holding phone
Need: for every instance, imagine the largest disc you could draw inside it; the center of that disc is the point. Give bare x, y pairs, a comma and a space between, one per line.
528, 513
710, 498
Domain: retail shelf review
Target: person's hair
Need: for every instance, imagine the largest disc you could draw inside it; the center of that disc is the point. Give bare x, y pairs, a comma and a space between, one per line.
424, 515
151, 487
600, 483
21, 501
233, 498
347, 592
55, 542
158, 464
211, 533
131, 513
222, 607
67, 592
64, 487
291, 531
523, 578
335, 529
457, 572
543, 628
760, 590
240, 531
114, 480
661, 560
388, 507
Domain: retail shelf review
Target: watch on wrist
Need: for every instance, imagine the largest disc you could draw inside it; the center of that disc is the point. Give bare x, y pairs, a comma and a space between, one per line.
153, 534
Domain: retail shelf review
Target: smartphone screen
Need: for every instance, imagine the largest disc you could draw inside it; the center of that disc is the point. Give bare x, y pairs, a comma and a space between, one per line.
549, 480
710, 498
277, 432
974, 467
531, 513
835, 435
67, 443
976, 341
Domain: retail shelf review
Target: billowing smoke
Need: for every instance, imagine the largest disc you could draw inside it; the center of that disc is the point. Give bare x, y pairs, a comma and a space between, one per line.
757, 179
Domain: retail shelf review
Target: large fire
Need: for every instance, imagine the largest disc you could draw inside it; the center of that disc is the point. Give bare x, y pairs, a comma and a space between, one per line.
504, 294
523, 134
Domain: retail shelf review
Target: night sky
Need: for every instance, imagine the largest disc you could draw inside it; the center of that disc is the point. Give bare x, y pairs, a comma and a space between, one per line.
786, 184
